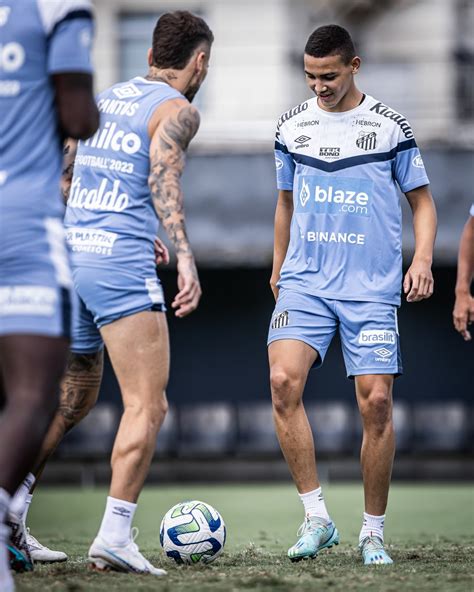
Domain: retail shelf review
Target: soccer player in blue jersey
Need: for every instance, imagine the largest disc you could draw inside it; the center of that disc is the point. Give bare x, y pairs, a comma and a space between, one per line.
45, 94
463, 313
126, 179
338, 266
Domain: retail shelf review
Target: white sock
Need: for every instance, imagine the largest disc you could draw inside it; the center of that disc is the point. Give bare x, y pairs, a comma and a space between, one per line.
314, 505
117, 521
5, 501
29, 497
18, 504
372, 526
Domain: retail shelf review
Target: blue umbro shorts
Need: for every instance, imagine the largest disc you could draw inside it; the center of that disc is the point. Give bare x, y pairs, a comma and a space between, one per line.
368, 330
35, 279
104, 295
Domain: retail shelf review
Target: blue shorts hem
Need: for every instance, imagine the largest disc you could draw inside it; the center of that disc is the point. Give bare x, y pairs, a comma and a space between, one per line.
398, 371
152, 306
319, 360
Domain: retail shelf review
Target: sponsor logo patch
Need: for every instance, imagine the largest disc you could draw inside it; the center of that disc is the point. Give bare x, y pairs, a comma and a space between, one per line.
330, 152
280, 319
418, 162
111, 137
28, 300
308, 123
291, 113
327, 195
90, 240
382, 109
375, 337
278, 163
101, 198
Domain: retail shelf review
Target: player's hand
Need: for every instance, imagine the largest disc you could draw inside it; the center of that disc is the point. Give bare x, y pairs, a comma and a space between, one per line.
418, 283
463, 314
189, 287
162, 254
274, 287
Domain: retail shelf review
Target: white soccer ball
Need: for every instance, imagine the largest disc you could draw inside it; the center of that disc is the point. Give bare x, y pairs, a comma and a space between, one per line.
192, 532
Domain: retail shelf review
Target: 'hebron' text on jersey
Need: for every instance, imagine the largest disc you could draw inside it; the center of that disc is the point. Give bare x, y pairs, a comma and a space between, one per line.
38, 38
343, 169
110, 214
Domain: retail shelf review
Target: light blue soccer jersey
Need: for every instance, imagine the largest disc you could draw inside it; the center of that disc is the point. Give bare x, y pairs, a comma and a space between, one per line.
38, 38
110, 218
345, 170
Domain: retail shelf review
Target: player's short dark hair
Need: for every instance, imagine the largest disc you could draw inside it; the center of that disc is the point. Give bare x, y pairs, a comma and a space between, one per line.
176, 36
330, 40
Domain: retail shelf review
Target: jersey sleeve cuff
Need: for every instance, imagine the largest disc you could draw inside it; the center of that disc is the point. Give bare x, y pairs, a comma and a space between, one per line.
415, 184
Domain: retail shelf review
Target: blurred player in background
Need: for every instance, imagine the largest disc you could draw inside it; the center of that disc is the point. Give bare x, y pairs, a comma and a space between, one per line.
463, 313
45, 95
126, 178
338, 265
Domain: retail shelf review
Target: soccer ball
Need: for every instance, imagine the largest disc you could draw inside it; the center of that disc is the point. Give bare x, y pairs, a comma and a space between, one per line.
192, 532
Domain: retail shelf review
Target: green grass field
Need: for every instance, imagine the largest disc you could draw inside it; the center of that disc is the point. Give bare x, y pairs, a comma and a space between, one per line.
429, 531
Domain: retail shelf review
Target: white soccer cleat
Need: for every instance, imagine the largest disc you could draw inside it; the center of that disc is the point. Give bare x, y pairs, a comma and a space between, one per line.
42, 554
125, 558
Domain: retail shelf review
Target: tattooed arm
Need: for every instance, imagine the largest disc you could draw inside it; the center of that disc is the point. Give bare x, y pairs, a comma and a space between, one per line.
69, 155
177, 125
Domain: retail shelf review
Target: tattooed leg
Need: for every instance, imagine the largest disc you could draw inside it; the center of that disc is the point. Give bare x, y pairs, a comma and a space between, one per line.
79, 392
31, 367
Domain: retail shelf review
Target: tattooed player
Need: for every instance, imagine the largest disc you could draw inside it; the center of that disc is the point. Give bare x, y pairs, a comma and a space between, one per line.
125, 178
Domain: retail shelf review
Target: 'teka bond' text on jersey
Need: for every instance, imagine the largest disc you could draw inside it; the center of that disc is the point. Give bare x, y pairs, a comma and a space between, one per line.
343, 169
110, 215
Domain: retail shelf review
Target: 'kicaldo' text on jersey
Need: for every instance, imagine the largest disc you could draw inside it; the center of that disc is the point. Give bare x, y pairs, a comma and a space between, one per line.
343, 169
110, 216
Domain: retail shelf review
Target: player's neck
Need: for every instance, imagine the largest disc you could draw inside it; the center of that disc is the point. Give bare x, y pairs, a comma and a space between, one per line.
351, 100
172, 77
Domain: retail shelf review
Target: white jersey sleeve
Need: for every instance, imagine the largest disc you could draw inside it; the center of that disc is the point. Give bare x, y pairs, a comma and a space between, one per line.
52, 12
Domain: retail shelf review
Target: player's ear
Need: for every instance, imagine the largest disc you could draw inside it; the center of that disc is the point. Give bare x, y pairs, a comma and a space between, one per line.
150, 57
355, 64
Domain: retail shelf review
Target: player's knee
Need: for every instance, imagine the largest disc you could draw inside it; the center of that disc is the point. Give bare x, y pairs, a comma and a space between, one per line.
286, 391
153, 412
377, 408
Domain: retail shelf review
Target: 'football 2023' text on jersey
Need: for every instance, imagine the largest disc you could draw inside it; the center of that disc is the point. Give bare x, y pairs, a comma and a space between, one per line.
343, 169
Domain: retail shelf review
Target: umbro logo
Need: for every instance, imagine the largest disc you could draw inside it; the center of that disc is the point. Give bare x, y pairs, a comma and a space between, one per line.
121, 511
280, 320
302, 139
383, 352
127, 91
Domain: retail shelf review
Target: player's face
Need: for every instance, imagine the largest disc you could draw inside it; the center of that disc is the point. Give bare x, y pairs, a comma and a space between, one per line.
330, 79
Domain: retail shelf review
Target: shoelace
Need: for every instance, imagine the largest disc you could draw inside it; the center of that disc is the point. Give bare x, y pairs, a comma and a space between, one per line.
310, 524
33, 541
372, 544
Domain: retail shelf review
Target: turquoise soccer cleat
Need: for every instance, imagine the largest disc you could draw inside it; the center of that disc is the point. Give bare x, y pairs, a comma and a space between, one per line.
373, 551
315, 534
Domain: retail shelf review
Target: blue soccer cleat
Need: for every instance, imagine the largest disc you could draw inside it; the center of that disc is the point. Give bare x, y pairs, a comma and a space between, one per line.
315, 534
373, 551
